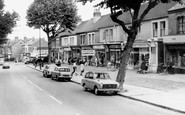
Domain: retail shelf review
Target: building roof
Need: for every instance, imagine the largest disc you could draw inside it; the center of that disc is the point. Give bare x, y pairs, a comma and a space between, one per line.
75, 30
30, 42
160, 11
42, 43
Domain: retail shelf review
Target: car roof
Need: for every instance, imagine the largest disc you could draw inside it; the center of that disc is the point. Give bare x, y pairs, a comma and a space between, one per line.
97, 71
63, 67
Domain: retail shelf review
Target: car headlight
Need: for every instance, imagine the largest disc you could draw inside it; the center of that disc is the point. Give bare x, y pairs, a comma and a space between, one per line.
117, 85
101, 85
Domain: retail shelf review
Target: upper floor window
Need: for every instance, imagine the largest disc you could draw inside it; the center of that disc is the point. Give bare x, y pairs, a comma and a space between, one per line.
181, 24
108, 34
162, 28
155, 29
71, 40
82, 37
91, 38
66, 41
111, 34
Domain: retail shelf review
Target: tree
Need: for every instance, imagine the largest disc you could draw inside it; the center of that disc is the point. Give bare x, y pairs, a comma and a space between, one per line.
7, 23
133, 7
53, 17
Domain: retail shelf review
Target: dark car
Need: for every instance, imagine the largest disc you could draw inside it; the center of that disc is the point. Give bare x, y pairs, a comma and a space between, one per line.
6, 66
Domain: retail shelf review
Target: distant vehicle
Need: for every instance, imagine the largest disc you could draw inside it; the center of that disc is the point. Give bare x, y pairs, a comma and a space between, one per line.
99, 82
61, 73
6, 66
48, 69
26, 60
1, 61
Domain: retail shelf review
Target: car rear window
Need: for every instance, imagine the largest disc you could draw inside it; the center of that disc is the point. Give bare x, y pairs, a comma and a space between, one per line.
102, 76
64, 70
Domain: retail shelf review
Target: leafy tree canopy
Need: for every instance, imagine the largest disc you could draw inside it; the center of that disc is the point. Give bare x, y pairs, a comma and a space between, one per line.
7, 22
53, 16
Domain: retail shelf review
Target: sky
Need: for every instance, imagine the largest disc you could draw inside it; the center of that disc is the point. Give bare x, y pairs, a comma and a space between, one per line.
21, 6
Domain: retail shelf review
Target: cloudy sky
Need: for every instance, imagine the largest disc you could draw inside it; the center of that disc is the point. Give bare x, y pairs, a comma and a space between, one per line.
21, 6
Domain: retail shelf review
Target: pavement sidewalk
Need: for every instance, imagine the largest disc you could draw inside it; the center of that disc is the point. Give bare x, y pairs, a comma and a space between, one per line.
168, 100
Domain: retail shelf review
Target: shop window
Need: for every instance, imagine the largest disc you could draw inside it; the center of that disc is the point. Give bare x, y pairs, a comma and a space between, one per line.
153, 55
181, 25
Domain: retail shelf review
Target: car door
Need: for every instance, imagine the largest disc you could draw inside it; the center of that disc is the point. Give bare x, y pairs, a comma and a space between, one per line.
91, 80
86, 79
54, 72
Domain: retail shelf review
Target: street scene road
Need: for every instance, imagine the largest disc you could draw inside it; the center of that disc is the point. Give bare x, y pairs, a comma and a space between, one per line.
24, 91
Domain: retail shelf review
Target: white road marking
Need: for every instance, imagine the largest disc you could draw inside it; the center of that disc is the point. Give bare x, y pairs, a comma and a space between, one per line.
33, 84
56, 99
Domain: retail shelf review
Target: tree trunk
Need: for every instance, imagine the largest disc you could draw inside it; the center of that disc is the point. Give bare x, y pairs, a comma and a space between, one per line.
125, 55
49, 52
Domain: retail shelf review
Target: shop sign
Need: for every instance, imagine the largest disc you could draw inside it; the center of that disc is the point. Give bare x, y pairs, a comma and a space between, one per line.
88, 52
67, 49
99, 47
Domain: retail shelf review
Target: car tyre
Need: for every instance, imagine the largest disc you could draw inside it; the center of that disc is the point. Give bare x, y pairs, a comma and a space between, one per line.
44, 74
57, 78
51, 77
84, 87
96, 92
116, 92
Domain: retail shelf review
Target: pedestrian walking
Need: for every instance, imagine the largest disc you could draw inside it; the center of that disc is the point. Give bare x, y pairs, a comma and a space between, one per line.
170, 66
74, 69
81, 69
35, 63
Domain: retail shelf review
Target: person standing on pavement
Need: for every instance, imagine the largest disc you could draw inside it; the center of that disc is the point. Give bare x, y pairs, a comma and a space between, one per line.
170, 66
81, 68
74, 69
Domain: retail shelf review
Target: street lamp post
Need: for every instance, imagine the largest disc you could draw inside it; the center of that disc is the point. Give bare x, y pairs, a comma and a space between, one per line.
40, 47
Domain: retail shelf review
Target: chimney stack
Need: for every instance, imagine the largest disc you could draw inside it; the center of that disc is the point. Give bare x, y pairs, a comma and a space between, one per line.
96, 15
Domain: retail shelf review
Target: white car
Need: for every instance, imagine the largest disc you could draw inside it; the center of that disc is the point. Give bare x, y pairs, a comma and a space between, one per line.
1, 61
61, 73
99, 82
47, 70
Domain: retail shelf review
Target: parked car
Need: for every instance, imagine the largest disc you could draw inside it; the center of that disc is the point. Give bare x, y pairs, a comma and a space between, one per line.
99, 82
61, 73
6, 66
48, 69
1, 61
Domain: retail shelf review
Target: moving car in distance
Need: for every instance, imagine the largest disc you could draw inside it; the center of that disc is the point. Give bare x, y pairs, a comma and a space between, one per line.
61, 73
99, 82
1, 61
48, 69
6, 66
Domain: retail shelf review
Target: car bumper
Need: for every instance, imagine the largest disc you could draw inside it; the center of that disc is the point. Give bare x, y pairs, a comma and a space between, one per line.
6, 67
65, 77
108, 90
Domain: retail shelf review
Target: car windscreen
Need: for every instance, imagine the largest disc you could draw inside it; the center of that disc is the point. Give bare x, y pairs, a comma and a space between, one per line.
102, 76
64, 70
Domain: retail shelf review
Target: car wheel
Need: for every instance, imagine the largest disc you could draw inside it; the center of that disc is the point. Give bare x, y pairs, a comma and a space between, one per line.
116, 92
96, 92
51, 77
57, 78
44, 74
84, 87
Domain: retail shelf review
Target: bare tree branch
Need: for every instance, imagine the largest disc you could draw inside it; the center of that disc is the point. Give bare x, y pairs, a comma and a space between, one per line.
151, 4
114, 17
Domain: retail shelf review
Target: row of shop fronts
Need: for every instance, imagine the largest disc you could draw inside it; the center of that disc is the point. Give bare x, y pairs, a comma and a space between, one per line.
103, 53
155, 51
